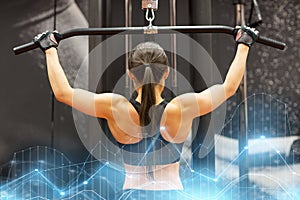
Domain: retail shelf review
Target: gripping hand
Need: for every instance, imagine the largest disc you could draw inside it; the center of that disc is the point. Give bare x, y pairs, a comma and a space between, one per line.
47, 39
245, 35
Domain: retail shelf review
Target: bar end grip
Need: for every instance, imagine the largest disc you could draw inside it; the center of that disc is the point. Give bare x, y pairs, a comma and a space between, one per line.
24, 48
271, 42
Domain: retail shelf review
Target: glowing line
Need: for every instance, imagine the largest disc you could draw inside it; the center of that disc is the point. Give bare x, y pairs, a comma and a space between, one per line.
284, 160
274, 180
49, 182
96, 172
83, 191
231, 163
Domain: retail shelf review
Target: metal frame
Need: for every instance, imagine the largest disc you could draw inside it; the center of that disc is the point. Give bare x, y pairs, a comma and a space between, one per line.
243, 135
173, 43
128, 23
140, 30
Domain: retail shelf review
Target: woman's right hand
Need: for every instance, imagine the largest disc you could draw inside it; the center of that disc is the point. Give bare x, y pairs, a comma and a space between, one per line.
47, 39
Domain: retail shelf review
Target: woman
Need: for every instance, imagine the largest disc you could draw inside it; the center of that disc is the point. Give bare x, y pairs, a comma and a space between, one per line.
150, 130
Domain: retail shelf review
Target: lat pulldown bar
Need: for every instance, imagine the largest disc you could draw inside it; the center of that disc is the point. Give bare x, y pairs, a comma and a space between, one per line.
140, 30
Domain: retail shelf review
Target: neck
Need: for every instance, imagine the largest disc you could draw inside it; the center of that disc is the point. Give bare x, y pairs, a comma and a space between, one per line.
158, 91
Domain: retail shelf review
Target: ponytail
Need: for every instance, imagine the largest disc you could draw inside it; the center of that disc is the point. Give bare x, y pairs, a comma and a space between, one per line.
148, 98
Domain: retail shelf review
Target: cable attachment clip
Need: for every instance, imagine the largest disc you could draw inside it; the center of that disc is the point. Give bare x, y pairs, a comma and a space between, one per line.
150, 19
150, 29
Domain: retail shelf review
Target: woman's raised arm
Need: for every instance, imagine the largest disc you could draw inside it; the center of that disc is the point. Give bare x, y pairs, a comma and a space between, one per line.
97, 105
191, 105
214, 96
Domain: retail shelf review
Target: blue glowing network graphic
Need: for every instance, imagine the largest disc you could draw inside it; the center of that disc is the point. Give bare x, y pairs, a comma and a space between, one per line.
274, 167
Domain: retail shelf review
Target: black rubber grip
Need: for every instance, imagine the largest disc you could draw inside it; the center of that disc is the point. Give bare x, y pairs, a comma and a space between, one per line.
270, 42
25, 47
140, 30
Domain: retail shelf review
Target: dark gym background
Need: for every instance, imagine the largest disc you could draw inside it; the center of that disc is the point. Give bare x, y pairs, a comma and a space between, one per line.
25, 93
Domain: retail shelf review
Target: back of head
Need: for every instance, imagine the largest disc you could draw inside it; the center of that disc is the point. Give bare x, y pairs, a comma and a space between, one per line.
147, 52
147, 62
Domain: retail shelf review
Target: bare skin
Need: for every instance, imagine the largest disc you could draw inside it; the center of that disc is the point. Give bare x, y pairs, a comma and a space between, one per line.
123, 120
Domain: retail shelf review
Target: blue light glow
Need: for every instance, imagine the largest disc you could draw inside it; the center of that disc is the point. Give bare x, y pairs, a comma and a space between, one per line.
54, 176
277, 151
73, 180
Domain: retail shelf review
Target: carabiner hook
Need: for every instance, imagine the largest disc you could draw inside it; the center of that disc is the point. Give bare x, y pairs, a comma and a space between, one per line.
150, 19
